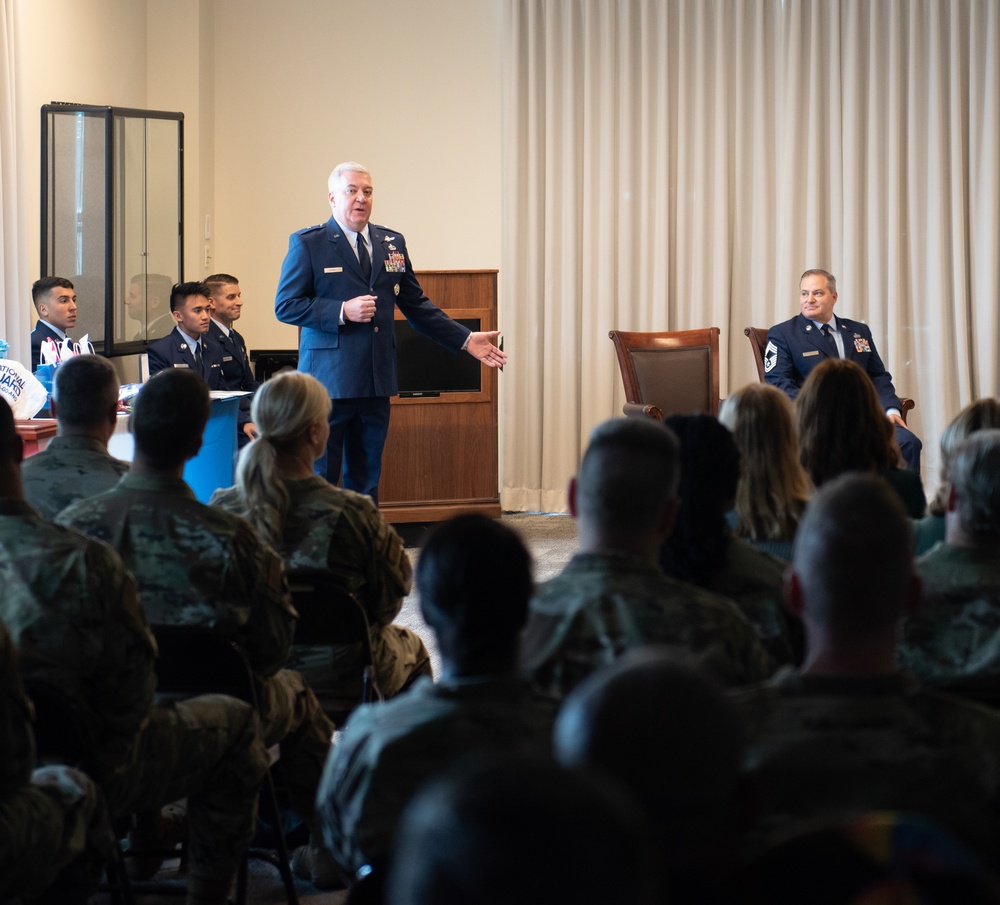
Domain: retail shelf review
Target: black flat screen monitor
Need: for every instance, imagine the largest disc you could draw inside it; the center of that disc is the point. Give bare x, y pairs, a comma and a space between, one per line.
427, 369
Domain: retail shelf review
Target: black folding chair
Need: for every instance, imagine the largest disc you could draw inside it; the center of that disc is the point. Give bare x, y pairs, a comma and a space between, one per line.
194, 661
330, 617
62, 736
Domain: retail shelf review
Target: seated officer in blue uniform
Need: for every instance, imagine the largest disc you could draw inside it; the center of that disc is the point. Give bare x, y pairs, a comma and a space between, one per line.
227, 305
55, 302
188, 345
796, 346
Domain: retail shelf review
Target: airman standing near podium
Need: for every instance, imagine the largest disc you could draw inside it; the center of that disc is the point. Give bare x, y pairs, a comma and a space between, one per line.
341, 292
796, 346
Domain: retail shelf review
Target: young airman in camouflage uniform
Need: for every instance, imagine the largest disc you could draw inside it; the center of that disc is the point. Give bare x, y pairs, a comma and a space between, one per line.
55, 837
76, 464
474, 578
196, 565
74, 614
848, 733
341, 533
612, 595
953, 639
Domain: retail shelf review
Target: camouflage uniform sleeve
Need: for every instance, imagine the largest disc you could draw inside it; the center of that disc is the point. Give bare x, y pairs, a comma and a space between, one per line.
746, 659
268, 633
123, 680
388, 573
17, 744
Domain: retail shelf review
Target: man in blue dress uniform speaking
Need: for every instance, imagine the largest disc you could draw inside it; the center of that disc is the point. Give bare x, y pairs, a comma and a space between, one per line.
795, 347
338, 283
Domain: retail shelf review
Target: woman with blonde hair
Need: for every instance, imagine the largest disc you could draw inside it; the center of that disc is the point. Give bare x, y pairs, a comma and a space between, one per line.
315, 526
983, 414
773, 488
843, 427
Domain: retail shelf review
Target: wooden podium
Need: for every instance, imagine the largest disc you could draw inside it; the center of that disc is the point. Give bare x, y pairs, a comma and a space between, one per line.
441, 454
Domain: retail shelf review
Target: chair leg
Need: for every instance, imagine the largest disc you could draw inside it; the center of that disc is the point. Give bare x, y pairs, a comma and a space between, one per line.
269, 804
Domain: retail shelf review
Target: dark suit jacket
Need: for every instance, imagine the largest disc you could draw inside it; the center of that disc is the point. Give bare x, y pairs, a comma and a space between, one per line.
321, 272
41, 332
173, 352
795, 347
236, 371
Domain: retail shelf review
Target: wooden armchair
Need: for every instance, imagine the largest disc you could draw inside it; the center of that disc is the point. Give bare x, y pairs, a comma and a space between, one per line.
758, 342
674, 373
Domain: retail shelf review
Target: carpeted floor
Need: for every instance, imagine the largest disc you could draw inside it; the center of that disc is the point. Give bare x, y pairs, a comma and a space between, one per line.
552, 541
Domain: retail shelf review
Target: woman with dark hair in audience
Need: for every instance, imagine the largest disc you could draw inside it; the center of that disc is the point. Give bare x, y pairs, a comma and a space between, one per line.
702, 549
773, 488
842, 428
317, 527
984, 414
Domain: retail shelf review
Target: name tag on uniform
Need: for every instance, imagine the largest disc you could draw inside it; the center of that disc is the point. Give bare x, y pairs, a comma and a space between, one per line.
227, 357
333, 270
807, 354
181, 365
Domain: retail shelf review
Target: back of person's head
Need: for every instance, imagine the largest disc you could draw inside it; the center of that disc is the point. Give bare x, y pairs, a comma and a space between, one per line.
40, 289
975, 477
169, 417
283, 410
670, 734
521, 831
11, 445
181, 291
710, 471
879, 858
983, 414
628, 475
854, 557
773, 488
842, 425
474, 577
85, 392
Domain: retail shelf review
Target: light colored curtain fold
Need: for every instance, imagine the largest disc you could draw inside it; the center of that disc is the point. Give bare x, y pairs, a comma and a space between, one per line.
14, 320
672, 164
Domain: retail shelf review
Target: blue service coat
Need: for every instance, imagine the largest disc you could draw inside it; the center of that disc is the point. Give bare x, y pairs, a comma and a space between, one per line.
173, 351
320, 273
796, 346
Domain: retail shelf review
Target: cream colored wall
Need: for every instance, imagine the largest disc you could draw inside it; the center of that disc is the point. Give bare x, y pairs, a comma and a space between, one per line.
412, 90
276, 94
90, 53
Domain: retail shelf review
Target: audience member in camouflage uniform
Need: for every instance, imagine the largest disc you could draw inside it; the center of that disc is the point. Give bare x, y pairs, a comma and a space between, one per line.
953, 639
55, 837
74, 614
317, 527
683, 767
847, 733
474, 578
196, 565
702, 550
612, 596
76, 464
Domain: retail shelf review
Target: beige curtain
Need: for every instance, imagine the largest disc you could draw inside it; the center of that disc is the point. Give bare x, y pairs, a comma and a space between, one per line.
671, 164
14, 282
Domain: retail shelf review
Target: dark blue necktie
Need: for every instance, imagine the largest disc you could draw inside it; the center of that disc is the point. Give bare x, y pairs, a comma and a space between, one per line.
830, 341
364, 259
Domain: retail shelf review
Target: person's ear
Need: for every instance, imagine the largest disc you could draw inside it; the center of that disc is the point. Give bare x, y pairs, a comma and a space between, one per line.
571, 491
952, 498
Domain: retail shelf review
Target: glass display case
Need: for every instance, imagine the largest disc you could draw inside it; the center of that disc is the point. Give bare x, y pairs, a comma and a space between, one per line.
113, 218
